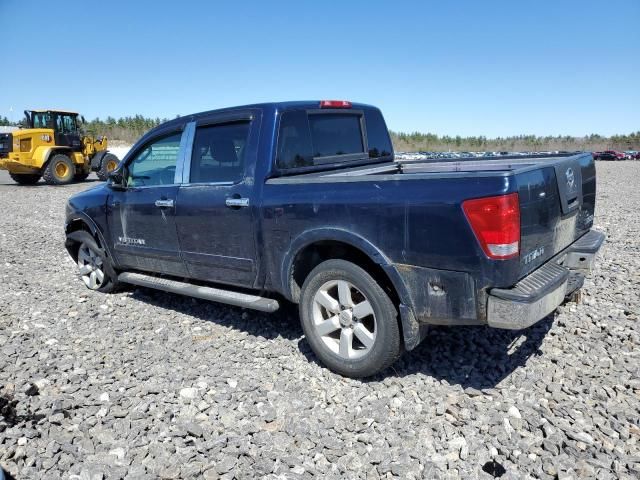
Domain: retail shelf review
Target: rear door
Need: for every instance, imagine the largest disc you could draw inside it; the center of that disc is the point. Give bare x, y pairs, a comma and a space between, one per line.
215, 212
142, 217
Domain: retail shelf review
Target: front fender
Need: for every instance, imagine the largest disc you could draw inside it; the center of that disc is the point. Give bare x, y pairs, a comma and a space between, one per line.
93, 228
41, 156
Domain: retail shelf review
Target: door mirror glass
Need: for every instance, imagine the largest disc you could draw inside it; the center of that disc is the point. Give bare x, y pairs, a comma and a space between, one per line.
116, 180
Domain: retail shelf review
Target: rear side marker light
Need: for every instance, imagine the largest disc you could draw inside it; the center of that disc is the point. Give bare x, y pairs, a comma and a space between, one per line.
335, 104
495, 221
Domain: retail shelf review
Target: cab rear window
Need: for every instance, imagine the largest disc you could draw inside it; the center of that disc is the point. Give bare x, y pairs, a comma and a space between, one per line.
335, 134
309, 139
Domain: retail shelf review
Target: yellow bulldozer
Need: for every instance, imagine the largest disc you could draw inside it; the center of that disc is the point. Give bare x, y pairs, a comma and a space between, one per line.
53, 147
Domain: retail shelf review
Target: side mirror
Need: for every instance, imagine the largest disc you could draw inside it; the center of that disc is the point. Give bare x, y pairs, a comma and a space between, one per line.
116, 180
82, 118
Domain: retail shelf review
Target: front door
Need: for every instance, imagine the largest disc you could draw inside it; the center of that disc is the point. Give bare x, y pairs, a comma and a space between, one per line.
142, 217
215, 216
66, 131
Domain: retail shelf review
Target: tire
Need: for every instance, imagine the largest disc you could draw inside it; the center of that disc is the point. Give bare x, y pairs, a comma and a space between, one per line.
60, 170
94, 266
80, 177
345, 344
25, 178
107, 165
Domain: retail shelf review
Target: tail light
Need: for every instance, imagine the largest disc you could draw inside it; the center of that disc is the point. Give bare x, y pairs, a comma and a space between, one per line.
496, 224
335, 104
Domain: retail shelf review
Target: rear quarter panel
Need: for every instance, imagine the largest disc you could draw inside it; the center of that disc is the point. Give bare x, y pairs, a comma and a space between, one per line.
408, 219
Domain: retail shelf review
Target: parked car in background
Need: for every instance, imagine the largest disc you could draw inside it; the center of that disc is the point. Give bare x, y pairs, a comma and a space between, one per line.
608, 155
630, 154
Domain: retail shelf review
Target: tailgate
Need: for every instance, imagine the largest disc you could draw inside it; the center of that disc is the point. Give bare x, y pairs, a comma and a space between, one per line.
557, 201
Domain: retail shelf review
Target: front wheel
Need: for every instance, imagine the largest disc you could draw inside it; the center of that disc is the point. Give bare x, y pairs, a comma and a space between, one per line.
93, 264
349, 320
108, 164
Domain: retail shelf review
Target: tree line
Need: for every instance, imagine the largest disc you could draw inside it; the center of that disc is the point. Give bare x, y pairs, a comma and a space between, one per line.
416, 141
129, 129
124, 129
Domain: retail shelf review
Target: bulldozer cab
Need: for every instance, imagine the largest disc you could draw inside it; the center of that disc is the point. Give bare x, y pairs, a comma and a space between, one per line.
65, 126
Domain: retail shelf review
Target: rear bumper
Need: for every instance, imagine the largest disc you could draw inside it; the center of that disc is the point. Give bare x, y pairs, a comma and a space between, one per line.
542, 291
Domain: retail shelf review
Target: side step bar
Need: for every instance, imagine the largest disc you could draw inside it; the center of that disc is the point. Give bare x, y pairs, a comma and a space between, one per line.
206, 293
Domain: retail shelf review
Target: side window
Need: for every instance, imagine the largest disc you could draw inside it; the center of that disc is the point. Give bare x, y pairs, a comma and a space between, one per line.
335, 134
377, 134
294, 141
66, 124
41, 120
219, 153
156, 163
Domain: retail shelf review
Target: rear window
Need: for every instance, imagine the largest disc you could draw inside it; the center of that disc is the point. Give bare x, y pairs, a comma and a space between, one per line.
317, 138
335, 134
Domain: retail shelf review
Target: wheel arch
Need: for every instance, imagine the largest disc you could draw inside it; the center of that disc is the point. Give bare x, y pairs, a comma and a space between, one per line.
81, 222
318, 239
42, 155
313, 247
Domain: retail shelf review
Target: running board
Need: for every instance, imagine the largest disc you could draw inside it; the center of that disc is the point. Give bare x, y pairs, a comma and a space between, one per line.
206, 293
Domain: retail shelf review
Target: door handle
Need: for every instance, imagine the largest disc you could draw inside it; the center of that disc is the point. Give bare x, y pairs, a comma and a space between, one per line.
164, 203
237, 202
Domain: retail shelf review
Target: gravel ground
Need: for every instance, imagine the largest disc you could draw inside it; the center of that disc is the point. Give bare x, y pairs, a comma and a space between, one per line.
143, 384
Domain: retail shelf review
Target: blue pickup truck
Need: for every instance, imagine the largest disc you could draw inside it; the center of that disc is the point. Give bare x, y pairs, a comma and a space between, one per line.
303, 202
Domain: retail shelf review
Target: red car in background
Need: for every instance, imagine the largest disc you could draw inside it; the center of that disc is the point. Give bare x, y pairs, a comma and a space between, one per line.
608, 155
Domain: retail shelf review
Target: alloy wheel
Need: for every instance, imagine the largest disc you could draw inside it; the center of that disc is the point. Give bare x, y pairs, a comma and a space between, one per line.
91, 267
344, 319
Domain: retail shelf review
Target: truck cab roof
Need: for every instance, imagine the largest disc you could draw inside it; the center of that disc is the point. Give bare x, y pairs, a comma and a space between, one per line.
269, 107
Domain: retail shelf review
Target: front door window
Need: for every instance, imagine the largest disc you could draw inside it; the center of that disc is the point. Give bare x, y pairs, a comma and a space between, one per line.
156, 163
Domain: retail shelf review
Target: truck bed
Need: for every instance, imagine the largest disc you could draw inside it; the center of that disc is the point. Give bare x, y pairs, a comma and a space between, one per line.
469, 167
418, 207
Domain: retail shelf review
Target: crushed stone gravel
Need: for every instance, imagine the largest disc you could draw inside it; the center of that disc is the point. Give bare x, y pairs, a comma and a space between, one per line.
143, 384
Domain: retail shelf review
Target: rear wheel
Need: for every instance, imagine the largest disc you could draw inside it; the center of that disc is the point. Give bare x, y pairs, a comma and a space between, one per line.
349, 320
108, 164
25, 178
59, 171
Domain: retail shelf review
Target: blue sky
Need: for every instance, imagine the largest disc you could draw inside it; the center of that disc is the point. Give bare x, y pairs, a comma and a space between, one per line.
490, 68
